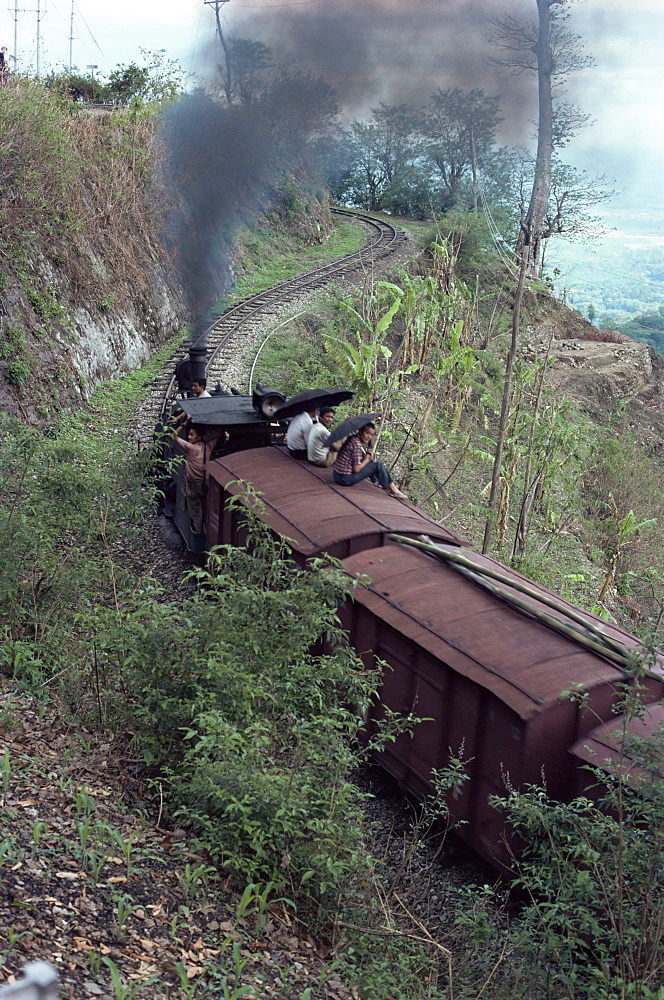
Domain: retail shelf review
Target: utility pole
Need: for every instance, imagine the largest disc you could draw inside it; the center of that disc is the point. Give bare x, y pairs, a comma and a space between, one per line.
71, 35
40, 15
15, 33
224, 44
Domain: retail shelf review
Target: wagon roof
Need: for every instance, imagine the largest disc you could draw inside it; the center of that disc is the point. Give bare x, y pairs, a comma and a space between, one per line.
524, 662
223, 411
314, 518
606, 747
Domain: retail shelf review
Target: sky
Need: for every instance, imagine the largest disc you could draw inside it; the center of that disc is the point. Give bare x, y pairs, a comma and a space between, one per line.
428, 43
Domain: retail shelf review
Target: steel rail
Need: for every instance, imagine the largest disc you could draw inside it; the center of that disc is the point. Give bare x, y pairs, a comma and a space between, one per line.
233, 326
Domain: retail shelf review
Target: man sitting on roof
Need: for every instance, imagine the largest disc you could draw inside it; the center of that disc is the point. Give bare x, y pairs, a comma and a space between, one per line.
318, 452
352, 464
297, 434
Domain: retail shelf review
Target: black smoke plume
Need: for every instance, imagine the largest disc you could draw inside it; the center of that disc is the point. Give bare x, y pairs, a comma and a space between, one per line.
225, 164
397, 51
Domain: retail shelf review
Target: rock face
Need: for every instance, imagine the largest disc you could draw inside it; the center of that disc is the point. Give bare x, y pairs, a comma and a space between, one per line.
53, 364
107, 345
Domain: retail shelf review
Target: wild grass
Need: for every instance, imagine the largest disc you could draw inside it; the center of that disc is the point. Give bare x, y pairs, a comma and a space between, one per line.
269, 258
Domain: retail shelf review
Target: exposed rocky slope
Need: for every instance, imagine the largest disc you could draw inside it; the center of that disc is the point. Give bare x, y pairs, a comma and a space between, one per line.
67, 360
87, 289
600, 370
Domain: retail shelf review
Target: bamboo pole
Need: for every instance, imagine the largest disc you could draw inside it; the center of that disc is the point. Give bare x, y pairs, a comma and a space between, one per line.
597, 641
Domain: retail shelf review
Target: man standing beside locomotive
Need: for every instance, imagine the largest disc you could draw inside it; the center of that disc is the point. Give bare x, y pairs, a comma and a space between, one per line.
297, 434
194, 479
352, 464
318, 452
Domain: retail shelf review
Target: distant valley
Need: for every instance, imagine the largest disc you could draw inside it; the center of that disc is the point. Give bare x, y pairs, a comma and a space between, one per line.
621, 273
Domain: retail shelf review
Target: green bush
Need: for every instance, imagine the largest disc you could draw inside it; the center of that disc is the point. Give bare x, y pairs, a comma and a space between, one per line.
58, 518
44, 304
17, 372
269, 727
594, 872
15, 338
12, 346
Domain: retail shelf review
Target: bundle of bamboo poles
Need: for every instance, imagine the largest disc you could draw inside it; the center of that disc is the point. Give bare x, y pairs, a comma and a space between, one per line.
575, 627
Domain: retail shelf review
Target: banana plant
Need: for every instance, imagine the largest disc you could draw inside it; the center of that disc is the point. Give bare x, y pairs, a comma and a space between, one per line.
364, 358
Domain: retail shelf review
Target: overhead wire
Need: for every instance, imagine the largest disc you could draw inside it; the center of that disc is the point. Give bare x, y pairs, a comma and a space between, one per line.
499, 244
210, 49
615, 274
269, 6
101, 51
65, 19
498, 240
195, 46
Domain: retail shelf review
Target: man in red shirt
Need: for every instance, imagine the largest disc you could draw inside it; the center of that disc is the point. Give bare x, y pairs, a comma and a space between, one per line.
353, 464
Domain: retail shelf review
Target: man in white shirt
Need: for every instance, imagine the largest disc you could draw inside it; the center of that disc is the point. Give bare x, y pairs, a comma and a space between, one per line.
297, 434
198, 388
318, 451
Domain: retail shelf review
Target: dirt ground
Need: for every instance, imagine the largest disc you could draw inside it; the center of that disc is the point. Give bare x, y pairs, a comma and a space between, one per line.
602, 376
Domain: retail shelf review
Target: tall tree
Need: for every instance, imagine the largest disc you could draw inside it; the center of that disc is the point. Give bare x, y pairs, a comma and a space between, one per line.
249, 66
460, 126
396, 124
573, 195
365, 176
380, 155
551, 50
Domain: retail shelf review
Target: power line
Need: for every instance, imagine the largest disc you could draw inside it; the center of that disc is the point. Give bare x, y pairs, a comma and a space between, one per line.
270, 6
614, 274
90, 33
498, 240
194, 48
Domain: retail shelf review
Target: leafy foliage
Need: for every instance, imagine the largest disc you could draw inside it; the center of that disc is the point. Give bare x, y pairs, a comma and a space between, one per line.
255, 731
59, 520
157, 81
647, 327
460, 129
594, 872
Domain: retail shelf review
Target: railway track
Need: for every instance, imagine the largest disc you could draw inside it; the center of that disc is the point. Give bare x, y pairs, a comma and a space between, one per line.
235, 331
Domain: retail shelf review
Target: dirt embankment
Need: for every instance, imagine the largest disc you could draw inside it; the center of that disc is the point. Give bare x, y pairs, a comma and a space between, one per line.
602, 371
87, 290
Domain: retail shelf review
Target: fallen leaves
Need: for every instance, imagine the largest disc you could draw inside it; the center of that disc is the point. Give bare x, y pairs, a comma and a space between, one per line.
60, 896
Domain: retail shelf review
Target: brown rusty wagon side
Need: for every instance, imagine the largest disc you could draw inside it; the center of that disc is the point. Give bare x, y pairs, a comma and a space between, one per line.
487, 677
302, 503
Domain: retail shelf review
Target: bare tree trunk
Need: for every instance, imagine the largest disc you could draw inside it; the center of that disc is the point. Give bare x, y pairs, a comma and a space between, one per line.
520, 535
473, 163
530, 235
226, 74
505, 407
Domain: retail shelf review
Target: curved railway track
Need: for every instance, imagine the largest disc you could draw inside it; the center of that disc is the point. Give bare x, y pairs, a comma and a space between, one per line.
235, 330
